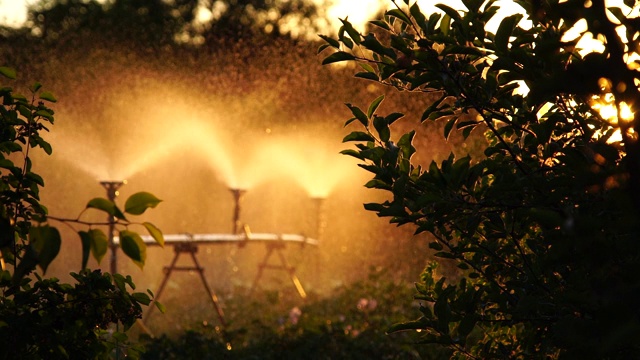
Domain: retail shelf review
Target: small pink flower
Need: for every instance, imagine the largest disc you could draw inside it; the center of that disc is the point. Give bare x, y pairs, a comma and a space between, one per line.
294, 315
373, 304
362, 304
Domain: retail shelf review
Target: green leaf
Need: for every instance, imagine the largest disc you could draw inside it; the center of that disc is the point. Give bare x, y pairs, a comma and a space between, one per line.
8, 72
359, 114
107, 206
377, 184
120, 282
45, 242
160, 307
35, 178
337, 57
141, 298
46, 95
371, 43
353, 33
155, 233
139, 202
374, 105
368, 76
99, 244
358, 136
35, 87
133, 246
333, 42
391, 118
86, 248
382, 127
356, 154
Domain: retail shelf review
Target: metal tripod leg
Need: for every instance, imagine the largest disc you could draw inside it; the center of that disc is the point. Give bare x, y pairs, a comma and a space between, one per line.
284, 265
212, 295
191, 249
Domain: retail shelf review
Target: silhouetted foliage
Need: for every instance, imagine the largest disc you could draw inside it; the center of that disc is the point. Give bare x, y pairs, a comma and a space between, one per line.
544, 224
42, 318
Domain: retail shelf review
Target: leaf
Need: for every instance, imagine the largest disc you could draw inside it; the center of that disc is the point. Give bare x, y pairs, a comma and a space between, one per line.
449, 126
391, 118
99, 244
160, 307
120, 283
356, 154
377, 184
133, 246
155, 233
398, 14
359, 114
333, 42
382, 127
353, 33
381, 24
107, 206
45, 114
504, 32
45, 242
409, 325
86, 248
451, 12
418, 16
368, 76
46, 95
337, 57
358, 136
139, 202
8, 72
35, 178
141, 298
371, 43
433, 107
374, 105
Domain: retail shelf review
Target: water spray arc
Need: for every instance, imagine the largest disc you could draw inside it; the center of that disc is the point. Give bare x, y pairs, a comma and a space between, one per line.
321, 220
112, 193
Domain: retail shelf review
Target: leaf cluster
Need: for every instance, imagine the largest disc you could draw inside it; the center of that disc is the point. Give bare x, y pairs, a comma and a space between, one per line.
43, 318
49, 320
543, 225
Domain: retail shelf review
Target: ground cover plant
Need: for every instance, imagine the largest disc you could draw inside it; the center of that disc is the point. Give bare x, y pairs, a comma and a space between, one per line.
351, 323
544, 224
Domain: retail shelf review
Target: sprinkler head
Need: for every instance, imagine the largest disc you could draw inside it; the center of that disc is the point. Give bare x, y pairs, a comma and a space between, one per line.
237, 193
112, 187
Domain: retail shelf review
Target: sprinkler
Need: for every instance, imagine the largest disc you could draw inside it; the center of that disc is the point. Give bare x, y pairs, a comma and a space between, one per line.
237, 197
112, 193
